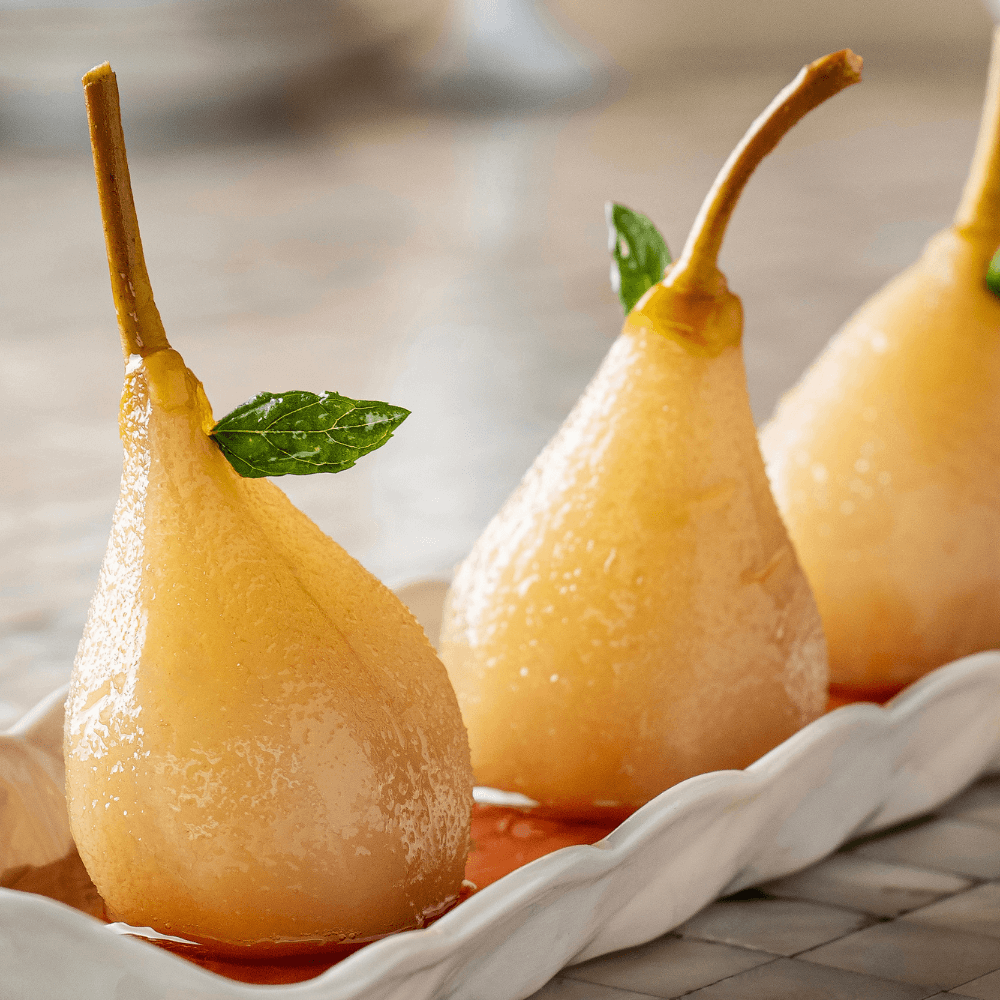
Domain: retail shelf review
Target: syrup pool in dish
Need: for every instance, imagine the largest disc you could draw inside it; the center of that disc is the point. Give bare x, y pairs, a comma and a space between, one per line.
504, 838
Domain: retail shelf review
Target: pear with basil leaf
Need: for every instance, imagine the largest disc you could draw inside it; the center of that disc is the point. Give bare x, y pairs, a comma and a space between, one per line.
885, 458
635, 613
263, 752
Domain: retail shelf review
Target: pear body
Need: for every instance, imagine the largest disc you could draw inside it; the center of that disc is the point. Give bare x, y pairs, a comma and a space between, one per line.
262, 748
635, 614
885, 464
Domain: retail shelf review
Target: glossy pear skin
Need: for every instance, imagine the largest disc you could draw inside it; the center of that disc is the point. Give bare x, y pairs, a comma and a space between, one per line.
885, 463
261, 745
635, 614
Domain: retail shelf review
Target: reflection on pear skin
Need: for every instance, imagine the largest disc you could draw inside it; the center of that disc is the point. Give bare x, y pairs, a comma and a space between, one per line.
635, 614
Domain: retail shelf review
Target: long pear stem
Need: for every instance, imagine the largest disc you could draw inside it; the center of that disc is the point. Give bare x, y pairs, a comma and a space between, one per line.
697, 265
978, 211
138, 319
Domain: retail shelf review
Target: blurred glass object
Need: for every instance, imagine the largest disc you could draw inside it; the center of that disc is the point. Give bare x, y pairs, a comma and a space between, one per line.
508, 55
196, 68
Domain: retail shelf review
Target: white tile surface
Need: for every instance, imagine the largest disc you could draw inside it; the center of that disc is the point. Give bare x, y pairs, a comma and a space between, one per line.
947, 845
985, 988
575, 989
976, 911
861, 883
778, 926
933, 957
790, 980
668, 967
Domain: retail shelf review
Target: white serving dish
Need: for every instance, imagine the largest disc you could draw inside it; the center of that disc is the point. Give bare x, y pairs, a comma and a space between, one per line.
856, 770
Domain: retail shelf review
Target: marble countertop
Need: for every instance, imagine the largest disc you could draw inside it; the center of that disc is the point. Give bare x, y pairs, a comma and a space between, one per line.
388, 242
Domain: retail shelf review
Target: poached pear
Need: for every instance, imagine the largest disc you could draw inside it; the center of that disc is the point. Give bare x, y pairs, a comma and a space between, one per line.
635, 613
885, 458
262, 749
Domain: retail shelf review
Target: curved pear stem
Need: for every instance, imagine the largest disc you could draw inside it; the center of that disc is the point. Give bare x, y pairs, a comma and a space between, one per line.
138, 319
978, 211
697, 266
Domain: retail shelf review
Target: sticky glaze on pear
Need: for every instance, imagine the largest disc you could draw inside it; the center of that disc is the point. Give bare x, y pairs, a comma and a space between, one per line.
635, 613
885, 458
262, 749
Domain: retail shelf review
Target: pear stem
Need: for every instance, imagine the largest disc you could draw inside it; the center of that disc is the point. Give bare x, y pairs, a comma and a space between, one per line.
697, 266
978, 211
138, 319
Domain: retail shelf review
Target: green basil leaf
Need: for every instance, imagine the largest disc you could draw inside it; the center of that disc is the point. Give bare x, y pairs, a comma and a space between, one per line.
298, 433
993, 274
639, 252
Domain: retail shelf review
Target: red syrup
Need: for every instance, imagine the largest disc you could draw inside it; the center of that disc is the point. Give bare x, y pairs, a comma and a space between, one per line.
504, 839
274, 971
840, 696
270, 968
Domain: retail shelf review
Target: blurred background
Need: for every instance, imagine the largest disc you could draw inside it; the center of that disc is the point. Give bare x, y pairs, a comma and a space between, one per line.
404, 200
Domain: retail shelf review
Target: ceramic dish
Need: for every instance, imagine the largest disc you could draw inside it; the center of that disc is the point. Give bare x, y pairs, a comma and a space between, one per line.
856, 770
